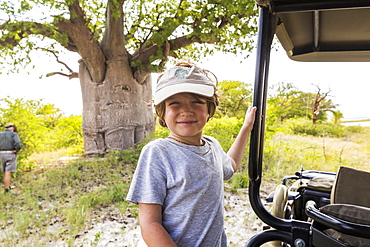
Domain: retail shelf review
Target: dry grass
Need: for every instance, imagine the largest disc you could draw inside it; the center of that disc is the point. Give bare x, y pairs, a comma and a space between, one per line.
285, 154
52, 204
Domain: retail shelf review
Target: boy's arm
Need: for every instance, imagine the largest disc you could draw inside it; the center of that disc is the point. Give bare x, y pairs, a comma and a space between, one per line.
152, 230
237, 149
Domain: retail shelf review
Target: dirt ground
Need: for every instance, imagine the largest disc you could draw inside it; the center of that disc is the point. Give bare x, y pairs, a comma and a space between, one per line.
111, 229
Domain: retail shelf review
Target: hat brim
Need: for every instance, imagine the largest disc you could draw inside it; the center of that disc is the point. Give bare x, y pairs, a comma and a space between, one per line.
204, 90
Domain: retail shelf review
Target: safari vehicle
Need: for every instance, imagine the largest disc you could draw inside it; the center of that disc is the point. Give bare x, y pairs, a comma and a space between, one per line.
310, 31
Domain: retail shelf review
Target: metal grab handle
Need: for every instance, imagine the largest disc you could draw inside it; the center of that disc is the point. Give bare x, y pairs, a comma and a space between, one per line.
267, 236
346, 227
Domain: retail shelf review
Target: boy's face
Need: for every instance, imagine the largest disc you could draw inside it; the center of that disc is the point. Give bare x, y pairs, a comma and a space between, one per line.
186, 115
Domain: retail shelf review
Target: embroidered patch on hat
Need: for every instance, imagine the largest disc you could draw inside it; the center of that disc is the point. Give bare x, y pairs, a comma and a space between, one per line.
181, 73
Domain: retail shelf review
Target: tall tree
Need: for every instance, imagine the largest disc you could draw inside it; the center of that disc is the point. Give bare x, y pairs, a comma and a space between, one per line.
120, 43
236, 97
285, 102
337, 115
321, 104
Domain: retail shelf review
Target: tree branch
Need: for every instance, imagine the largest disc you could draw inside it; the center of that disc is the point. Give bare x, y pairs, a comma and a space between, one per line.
144, 55
83, 39
70, 76
159, 46
72, 73
113, 43
20, 30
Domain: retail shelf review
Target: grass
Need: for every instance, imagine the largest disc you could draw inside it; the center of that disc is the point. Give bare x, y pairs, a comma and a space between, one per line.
285, 154
54, 202
63, 196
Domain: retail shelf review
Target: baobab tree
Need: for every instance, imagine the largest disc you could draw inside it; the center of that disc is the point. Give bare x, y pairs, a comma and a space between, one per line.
120, 43
321, 104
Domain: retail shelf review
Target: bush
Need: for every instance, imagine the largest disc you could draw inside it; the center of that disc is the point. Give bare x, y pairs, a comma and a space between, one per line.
240, 180
224, 129
41, 128
303, 126
160, 132
354, 129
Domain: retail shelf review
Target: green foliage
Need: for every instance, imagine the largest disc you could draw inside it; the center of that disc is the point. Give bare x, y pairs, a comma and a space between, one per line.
71, 195
148, 32
202, 26
303, 126
235, 98
239, 180
130, 155
102, 197
30, 128
40, 127
70, 129
224, 129
68, 196
194, 19
337, 115
284, 154
285, 102
354, 129
160, 132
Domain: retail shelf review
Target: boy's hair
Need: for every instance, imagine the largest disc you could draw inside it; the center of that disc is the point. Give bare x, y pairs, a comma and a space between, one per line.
211, 100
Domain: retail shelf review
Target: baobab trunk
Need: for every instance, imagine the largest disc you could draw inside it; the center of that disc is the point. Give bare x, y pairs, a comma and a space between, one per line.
117, 113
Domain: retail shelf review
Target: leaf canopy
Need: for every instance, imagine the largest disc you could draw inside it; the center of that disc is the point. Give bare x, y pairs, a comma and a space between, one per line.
146, 33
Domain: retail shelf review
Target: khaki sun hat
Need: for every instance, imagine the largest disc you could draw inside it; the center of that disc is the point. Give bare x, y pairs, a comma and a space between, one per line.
8, 125
181, 79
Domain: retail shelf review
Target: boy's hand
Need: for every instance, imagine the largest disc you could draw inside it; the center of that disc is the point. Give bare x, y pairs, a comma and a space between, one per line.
249, 118
237, 149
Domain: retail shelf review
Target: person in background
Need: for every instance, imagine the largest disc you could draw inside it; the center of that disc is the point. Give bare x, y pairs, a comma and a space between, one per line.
10, 144
178, 183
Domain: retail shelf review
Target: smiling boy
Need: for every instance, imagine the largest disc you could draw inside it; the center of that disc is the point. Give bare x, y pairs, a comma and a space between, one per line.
178, 183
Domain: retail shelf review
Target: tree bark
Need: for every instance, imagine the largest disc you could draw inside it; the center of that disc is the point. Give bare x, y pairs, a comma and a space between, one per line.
117, 113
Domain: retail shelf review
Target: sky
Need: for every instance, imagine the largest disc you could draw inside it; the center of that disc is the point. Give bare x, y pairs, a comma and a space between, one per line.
349, 83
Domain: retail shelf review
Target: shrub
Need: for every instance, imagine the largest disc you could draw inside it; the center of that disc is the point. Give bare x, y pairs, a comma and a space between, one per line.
224, 129
302, 126
354, 129
160, 132
239, 180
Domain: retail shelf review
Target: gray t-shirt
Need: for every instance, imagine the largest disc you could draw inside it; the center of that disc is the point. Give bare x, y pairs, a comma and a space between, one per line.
9, 141
188, 182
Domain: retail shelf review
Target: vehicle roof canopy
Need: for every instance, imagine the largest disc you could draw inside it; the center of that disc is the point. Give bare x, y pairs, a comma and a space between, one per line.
323, 30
